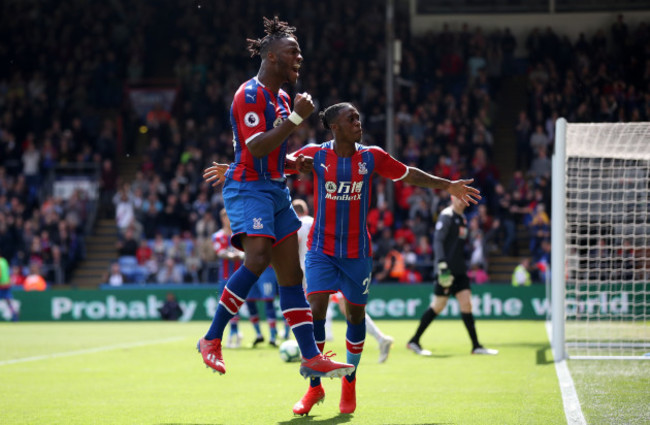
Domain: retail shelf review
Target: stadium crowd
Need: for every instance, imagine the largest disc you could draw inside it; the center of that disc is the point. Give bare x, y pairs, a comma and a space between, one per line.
58, 83
59, 105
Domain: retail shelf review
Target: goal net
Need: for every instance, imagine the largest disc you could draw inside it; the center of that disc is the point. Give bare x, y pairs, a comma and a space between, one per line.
601, 241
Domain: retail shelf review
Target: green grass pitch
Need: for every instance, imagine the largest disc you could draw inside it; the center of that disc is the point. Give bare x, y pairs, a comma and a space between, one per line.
150, 373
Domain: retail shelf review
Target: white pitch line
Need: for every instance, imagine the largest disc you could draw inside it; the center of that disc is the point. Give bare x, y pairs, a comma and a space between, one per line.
90, 350
572, 408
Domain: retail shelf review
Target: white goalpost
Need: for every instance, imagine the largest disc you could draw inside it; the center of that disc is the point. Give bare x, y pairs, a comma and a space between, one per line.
600, 241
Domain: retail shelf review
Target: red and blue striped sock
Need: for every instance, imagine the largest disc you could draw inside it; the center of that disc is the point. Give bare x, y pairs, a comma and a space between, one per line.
354, 339
298, 314
254, 317
232, 298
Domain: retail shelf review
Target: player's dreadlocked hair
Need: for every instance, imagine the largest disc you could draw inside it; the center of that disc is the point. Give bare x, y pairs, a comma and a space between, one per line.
275, 29
331, 112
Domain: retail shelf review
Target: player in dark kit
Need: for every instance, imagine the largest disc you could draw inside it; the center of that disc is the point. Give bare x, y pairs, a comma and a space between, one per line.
451, 272
258, 203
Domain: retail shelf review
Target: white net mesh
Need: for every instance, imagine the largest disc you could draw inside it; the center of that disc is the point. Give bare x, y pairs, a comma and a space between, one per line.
607, 239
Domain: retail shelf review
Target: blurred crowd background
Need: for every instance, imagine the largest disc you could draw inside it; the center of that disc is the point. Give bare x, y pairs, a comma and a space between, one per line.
109, 112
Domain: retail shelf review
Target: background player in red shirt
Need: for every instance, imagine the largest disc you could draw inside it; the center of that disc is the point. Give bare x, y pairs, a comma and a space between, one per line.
257, 199
230, 259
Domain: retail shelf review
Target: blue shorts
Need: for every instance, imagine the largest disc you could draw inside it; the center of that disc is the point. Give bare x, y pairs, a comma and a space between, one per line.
259, 208
329, 274
265, 288
5, 294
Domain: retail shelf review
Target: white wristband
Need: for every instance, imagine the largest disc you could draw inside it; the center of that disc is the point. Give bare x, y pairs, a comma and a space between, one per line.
295, 118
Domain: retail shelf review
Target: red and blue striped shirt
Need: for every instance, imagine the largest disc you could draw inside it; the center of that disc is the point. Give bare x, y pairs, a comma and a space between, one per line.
342, 191
254, 111
220, 243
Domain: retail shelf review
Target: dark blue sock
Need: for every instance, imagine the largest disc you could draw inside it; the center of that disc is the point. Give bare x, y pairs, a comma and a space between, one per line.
233, 296
234, 328
298, 314
270, 319
319, 336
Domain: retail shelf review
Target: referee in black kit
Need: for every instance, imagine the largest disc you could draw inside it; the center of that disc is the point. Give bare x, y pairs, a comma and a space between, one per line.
451, 276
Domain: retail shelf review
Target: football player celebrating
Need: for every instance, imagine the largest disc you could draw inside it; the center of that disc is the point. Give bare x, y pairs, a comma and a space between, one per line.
339, 256
258, 203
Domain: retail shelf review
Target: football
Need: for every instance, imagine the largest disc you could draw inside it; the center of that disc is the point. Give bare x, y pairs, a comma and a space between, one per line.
289, 351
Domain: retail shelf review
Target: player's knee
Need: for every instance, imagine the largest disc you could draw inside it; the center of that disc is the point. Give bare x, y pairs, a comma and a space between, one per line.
318, 304
356, 315
465, 307
438, 304
257, 262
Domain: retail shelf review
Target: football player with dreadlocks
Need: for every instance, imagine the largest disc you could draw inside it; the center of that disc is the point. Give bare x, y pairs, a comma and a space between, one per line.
257, 200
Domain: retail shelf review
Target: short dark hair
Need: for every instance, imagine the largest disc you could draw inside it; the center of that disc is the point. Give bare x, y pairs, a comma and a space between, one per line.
331, 112
275, 29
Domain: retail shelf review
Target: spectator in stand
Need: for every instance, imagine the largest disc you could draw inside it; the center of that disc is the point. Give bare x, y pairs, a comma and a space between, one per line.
170, 272
411, 274
541, 166
539, 230
539, 140
150, 219
519, 207
405, 235
178, 249
477, 274
144, 253
521, 274
17, 276
477, 244
380, 218
506, 221
627, 260
107, 187
489, 227
114, 276
193, 266
31, 158
124, 211
128, 245
394, 266
522, 136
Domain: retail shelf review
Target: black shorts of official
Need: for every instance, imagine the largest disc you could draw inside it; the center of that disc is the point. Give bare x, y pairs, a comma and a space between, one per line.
461, 281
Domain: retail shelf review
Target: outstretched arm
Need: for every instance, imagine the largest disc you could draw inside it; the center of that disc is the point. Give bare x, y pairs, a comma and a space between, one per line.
457, 188
298, 164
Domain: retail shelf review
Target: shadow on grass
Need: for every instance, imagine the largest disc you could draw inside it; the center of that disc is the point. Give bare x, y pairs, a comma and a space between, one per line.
543, 353
340, 419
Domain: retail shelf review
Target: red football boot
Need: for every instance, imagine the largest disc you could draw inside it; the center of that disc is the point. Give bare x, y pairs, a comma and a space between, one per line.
321, 366
314, 395
211, 353
348, 396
